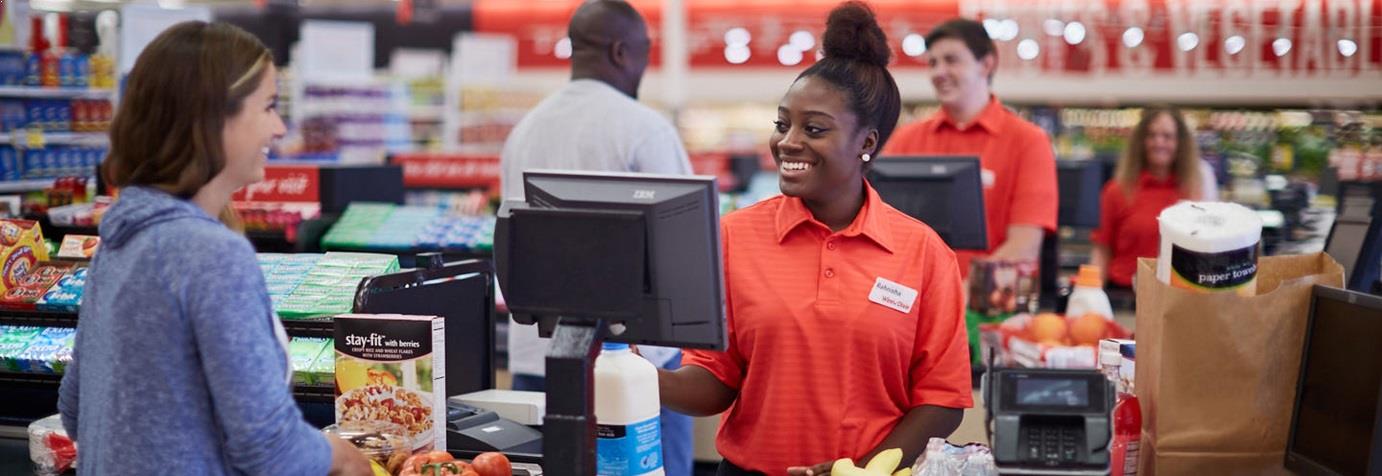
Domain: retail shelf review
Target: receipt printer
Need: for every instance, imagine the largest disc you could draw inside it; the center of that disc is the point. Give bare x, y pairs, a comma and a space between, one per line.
1049, 421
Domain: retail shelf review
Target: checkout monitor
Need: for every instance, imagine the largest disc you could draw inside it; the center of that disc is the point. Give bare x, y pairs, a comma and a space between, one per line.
638, 250
944, 192
1335, 423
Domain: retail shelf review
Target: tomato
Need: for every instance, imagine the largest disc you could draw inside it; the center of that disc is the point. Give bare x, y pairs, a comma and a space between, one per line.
492, 464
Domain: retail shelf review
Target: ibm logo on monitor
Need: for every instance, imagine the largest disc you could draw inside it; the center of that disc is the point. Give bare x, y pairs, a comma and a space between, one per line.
644, 194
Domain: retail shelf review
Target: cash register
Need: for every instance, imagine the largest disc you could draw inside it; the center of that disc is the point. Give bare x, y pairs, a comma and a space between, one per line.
1050, 421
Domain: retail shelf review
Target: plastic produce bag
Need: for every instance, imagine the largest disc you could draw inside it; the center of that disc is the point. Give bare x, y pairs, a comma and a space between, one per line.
944, 459
49, 447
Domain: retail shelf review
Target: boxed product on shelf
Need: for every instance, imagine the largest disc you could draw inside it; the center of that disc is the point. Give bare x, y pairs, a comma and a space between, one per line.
49, 352
304, 351
14, 340
322, 371
392, 227
21, 248
66, 295
78, 246
33, 285
13, 115
312, 285
12, 64
391, 368
10, 166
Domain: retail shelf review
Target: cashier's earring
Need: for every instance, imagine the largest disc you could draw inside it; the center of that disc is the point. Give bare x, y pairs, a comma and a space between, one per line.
865, 157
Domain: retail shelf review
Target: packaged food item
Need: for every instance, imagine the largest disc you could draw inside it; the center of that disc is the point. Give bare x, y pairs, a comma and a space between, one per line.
48, 352
1001, 288
50, 449
14, 340
384, 443
34, 285
79, 246
1044, 341
323, 368
21, 248
303, 351
391, 368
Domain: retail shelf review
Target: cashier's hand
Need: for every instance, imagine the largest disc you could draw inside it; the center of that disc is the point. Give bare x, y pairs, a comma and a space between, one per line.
346, 460
817, 470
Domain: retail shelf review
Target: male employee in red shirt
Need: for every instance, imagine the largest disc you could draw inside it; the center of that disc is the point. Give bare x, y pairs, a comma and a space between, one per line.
1019, 169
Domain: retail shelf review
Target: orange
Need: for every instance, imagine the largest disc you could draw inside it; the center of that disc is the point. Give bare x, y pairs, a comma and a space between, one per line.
1088, 329
1048, 327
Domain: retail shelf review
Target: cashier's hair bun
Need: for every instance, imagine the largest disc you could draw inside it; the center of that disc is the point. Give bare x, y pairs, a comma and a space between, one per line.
856, 63
852, 33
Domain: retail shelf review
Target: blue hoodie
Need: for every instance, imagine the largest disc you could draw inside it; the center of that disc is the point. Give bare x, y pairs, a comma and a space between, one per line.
177, 369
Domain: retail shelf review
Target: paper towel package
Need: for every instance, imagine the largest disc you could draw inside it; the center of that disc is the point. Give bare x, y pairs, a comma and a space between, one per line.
1209, 247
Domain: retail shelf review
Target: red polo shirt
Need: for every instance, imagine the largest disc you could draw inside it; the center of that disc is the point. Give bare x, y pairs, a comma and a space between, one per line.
1019, 166
1128, 227
833, 336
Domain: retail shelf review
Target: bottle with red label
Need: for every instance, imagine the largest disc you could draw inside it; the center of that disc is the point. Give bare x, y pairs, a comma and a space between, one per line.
1127, 434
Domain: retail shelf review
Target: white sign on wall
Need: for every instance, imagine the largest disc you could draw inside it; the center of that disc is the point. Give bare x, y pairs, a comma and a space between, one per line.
142, 23
336, 51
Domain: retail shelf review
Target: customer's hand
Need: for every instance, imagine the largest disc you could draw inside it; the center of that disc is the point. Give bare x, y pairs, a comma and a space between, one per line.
346, 460
817, 470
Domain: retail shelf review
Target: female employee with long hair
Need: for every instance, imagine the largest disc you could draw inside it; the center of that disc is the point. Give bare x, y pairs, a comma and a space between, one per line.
846, 334
1161, 167
180, 365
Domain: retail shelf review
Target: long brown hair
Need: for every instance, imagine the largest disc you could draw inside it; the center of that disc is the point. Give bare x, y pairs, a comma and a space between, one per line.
1185, 168
167, 133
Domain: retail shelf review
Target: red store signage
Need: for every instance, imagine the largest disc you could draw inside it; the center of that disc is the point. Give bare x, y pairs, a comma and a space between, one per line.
284, 183
448, 170
1338, 38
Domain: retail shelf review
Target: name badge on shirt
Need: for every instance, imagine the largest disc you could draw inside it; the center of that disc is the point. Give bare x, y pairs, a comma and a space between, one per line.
893, 295
988, 177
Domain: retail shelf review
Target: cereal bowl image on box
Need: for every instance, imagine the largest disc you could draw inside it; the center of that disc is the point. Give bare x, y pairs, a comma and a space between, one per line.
389, 369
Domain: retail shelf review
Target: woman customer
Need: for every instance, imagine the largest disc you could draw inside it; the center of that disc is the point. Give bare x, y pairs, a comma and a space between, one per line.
1162, 166
846, 334
180, 364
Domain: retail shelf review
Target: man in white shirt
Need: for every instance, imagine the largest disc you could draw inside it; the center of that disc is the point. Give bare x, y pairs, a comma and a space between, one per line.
595, 123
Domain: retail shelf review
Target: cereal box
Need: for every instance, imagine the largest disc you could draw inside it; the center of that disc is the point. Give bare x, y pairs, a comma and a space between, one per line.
392, 368
81, 247
21, 248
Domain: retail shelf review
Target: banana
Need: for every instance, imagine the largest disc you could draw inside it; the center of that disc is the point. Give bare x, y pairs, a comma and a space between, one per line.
882, 464
885, 462
846, 467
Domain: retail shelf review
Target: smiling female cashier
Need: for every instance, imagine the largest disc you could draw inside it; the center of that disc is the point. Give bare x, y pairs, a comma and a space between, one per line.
845, 328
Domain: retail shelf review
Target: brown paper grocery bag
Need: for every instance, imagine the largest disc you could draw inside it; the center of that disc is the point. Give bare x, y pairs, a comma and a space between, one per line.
1216, 373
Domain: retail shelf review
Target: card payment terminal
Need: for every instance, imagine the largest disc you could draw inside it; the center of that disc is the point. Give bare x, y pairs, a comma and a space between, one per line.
1049, 421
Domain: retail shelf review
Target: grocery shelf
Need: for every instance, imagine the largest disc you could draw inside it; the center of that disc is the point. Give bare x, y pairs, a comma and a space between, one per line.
64, 138
11, 317
314, 393
322, 327
16, 186
57, 93
8, 379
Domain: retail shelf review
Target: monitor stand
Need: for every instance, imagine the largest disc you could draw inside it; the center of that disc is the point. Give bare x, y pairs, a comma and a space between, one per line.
568, 429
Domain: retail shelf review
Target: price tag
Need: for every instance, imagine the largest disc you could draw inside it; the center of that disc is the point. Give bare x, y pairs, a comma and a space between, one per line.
34, 139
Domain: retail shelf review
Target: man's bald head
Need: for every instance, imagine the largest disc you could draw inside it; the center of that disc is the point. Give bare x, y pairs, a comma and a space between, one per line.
609, 42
